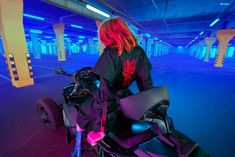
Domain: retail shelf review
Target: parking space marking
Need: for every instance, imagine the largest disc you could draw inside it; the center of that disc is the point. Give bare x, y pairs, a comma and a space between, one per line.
4, 77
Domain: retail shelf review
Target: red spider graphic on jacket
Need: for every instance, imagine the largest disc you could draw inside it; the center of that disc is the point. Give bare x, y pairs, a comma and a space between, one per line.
129, 68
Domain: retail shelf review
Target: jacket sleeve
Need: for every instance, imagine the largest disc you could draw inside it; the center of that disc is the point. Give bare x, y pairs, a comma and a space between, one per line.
105, 69
144, 79
103, 94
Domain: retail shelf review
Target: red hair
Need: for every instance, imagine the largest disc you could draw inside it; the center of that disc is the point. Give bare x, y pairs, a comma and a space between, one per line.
116, 34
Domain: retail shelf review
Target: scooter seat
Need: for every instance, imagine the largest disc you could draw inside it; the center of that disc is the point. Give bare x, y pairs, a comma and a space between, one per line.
135, 106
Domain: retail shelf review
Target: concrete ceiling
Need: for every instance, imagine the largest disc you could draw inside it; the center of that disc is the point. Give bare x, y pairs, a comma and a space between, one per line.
176, 22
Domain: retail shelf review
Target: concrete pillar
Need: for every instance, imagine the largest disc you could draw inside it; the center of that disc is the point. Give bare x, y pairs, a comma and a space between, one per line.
96, 47
209, 42
59, 31
163, 49
142, 41
77, 47
91, 46
100, 45
156, 48
149, 47
35, 46
199, 49
224, 36
69, 48
192, 50
160, 49
29, 46
49, 48
167, 50
12, 33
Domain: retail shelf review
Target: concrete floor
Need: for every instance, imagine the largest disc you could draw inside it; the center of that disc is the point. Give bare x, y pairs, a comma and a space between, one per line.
202, 104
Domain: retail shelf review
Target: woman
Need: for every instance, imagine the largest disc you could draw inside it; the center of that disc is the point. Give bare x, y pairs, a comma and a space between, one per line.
121, 63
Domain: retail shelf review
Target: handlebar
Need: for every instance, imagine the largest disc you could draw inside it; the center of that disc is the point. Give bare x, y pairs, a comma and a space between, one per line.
62, 72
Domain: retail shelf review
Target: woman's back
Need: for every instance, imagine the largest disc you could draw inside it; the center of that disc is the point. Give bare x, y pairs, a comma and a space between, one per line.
121, 71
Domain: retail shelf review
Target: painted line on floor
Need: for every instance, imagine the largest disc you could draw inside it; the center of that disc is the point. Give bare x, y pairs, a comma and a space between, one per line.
5, 78
45, 67
39, 76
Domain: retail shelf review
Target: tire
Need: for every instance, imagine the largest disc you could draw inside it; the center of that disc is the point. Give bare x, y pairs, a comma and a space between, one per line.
49, 113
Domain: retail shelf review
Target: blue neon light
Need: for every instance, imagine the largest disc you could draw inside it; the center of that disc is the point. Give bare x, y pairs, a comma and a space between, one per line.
214, 22
65, 35
180, 47
202, 32
95, 38
81, 37
34, 17
76, 26
156, 38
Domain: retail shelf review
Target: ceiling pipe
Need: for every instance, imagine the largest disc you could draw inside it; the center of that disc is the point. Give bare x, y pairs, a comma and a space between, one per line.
66, 16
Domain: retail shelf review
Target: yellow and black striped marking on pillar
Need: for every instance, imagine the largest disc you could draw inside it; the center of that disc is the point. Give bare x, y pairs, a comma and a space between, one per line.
13, 67
29, 65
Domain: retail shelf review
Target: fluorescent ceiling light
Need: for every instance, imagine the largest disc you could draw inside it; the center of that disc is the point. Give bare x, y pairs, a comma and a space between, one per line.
48, 37
196, 38
35, 31
76, 26
180, 47
202, 32
34, 17
156, 38
81, 37
214, 22
225, 4
148, 35
97, 11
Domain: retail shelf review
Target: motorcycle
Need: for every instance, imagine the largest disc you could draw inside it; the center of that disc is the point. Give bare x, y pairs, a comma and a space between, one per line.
140, 118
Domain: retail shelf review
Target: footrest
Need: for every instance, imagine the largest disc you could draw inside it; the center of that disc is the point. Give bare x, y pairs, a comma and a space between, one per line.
184, 145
